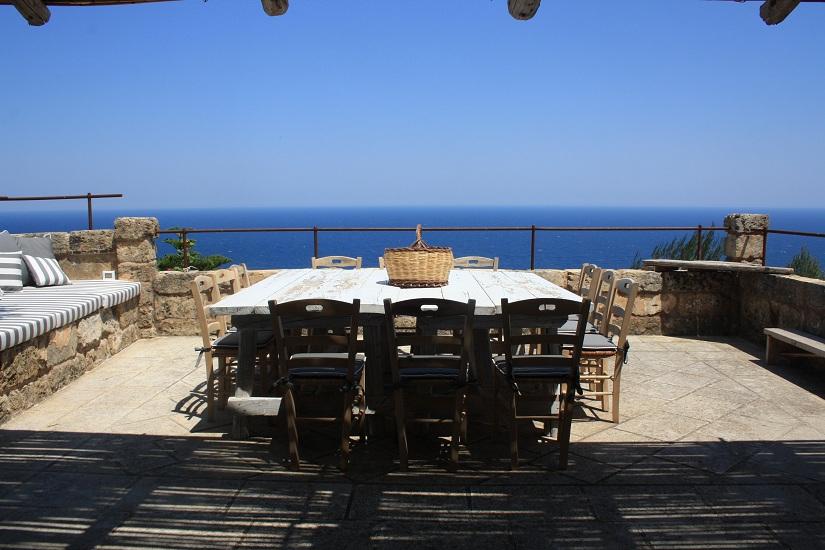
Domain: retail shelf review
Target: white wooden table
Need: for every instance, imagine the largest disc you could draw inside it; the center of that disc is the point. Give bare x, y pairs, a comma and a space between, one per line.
249, 310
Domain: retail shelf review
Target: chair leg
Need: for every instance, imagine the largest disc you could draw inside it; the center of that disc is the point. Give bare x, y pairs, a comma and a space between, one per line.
565, 421
292, 429
513, 432
616, 389
603, 384
223, 382
346, 428
401, 429
210, 389
458, 415
496, 404
362, 407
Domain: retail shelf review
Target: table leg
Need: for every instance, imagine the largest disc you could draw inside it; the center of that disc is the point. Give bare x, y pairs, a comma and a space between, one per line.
245, 377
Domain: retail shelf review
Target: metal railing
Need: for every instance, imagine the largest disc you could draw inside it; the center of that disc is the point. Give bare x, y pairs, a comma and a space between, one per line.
183, 233
88, 197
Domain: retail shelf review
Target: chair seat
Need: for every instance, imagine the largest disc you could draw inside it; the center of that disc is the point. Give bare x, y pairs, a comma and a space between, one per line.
230, 340
598, 343
321, 371
532, 372
571, 325
423, 373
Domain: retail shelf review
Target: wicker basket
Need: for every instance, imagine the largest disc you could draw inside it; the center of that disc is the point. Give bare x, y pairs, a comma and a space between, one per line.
418, 265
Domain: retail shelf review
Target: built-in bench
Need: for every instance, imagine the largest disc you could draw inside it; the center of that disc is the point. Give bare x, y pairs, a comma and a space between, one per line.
782, 342
50, 336
32, 312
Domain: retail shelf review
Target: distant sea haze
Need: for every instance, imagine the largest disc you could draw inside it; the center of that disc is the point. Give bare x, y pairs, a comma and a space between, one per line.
553, 249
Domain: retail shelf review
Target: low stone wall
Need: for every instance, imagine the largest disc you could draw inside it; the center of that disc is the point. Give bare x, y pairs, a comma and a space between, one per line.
39, 367
174, 308
785, 301
678, 303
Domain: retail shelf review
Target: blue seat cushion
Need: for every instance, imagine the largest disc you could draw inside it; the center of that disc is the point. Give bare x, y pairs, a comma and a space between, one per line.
598, 342
230, 340
532, 372
322, 372
424, 373
571, 325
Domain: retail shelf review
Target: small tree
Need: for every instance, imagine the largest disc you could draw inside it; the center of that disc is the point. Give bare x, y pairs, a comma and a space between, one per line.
806, 265
684, 248
174, 262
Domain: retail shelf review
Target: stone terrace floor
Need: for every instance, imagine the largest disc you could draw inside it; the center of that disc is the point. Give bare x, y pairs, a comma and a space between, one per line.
714, 450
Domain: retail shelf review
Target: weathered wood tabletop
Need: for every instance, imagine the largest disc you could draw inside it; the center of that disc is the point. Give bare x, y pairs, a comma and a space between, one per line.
486, 287
249, 310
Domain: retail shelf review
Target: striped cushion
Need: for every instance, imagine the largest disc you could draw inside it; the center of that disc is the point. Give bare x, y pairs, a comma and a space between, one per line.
11, 270
46, 271
35, 311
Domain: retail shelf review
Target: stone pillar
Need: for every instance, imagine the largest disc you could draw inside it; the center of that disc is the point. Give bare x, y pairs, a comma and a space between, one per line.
137, 261
745, 237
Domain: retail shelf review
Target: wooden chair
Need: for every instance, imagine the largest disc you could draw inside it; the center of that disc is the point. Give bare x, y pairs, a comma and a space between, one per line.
227, 281
316, 348
610, 342
588, 274
475, 262
243, 274
600, 296
530, 378
437, 364
336, 262
217, 342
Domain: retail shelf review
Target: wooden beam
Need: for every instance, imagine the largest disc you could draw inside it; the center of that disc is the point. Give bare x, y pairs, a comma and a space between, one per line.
523, 9
774, 12
35, 11
275, 7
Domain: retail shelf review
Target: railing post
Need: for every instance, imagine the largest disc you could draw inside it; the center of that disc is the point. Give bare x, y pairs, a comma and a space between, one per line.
89, 210
185, 248
699, 242
532, 247
314, 241
764, 246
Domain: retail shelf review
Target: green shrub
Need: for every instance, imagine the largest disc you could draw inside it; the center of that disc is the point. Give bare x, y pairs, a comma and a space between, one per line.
684, 248
806, 265
174, 262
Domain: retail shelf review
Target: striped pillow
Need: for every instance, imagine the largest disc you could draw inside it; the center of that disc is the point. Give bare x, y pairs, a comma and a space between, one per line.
45, 271
11, 270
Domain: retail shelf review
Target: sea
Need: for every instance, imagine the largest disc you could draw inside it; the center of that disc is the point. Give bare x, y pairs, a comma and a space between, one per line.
565, 249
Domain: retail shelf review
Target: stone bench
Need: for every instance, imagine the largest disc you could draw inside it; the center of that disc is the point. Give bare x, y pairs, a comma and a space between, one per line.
50, 336
781, 341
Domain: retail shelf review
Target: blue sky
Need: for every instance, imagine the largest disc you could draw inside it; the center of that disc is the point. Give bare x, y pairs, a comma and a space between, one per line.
643, 102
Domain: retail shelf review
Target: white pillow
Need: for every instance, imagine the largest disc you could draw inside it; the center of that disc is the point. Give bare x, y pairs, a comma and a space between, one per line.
45, 271
11, 270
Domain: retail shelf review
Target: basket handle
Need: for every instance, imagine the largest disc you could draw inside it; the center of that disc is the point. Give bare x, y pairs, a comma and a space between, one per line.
418, 242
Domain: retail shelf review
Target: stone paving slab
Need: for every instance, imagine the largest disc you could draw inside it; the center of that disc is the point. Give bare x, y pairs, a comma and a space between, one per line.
714, 450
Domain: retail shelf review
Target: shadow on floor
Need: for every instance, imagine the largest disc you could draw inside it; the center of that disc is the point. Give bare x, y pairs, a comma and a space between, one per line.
84, 489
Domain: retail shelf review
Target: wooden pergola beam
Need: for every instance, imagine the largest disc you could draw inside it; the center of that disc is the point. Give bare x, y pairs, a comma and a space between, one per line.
275, 7
774, 12
34, 11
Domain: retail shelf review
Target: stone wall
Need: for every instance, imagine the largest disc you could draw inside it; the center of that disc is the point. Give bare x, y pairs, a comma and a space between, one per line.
39, 367
785, 301
129, 250
174, 308
677, 303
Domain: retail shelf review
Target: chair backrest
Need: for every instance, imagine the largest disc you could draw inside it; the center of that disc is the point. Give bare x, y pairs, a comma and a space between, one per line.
336, 262
205, 293
243, 274
319, 326
542, 318
601, 297
617, 322
227, 281
475, 262
586, 275
450, 327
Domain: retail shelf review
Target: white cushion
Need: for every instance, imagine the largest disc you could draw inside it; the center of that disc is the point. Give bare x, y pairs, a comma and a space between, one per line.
46, 271
11, 270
